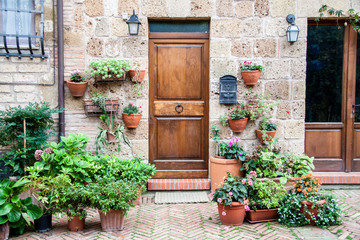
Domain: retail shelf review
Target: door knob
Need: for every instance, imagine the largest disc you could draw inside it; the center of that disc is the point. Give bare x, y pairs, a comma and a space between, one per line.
179, 108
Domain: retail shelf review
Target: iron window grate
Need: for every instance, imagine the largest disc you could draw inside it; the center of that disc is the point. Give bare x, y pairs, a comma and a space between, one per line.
24, 43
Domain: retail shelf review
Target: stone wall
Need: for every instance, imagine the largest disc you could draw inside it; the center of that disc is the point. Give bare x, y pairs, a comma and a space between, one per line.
240, 30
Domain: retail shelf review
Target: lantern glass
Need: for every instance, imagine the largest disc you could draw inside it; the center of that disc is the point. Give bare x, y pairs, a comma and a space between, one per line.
292, 33
133, 28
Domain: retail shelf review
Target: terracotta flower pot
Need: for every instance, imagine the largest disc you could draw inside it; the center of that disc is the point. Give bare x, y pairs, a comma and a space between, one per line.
132, 120
77, 89
313, 211
238, 125
110, 137
251, 77
235, 213
219, 167
259, 134
76, 224
4, 231
263, 215
140, 78
112, 221
138, 201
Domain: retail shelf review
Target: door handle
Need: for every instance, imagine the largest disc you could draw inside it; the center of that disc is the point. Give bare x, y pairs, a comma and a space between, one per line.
179, 108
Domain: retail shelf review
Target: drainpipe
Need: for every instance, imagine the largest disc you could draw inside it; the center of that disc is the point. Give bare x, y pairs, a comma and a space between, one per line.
61, 100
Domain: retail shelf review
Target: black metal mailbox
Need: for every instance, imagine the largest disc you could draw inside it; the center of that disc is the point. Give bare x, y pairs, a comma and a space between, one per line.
228, 89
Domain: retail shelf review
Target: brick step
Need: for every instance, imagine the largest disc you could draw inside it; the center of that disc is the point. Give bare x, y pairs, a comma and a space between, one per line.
338, 177
179, 184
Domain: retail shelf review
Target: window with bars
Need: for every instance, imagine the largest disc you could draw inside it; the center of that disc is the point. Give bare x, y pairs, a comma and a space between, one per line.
17, 29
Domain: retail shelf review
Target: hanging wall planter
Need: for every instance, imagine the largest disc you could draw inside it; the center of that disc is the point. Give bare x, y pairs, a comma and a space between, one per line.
251, 73
238, 125
137, 76
109, 70
111, 107
77, 89
269, 135
131, 120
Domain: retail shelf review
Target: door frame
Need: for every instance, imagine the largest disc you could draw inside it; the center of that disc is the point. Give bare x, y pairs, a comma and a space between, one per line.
347, 125
152, 90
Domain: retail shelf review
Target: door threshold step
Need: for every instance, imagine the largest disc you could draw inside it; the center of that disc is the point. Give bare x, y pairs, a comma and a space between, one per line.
178, 184
338, 177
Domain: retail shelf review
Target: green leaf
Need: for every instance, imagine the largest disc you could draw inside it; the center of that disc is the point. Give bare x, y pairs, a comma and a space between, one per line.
21, 182
14, 215
3, 219
5, 192
27, 201
15, 199
2, 201
5, 208
34, 212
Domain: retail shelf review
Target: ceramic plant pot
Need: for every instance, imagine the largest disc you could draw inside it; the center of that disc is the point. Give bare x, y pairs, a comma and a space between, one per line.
76, 224
235, 214
238, 125
312, 210
137, 78
219, 167
259, 134
251, 77
112, 221
44, 223
138, 201
132, 120
4, 231
264, 215
77, 89
110, 137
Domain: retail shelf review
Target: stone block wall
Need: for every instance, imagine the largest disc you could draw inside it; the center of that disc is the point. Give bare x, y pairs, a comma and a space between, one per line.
240, 30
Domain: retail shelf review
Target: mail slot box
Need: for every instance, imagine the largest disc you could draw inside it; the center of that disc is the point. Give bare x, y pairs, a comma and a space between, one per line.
228, 89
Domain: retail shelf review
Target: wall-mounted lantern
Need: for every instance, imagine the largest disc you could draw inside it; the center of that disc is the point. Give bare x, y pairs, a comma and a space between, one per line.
228, 89
133, 24
292, 33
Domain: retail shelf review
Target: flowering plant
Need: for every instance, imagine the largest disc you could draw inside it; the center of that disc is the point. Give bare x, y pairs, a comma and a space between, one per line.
232, 150
234, 189
132, 109
239, 112
250, 66
307, 186
76, 76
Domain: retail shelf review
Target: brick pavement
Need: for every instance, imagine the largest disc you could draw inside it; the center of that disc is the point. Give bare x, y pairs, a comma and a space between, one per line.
201, 221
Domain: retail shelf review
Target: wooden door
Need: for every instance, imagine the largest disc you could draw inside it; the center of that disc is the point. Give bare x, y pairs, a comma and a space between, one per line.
330, 133
178, 105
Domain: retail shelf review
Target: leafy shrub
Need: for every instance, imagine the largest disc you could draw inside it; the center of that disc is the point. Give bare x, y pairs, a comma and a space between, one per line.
132, 109
39, 120
232, 150
109, 68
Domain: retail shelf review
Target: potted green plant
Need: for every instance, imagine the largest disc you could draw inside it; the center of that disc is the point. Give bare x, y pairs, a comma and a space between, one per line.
264, 198
132, 115
269, 162
77, 84
305, 204
69, 198
15, 212
251, 73
237, 119
231, 198
99, 104
114, 132
233, 156
267, 130
133, 170
113, 198
109, 70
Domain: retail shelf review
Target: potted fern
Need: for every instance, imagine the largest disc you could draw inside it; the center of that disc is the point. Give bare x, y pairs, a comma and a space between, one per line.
132, 115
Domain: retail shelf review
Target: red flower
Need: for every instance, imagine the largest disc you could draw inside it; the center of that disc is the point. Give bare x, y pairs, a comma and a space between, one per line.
288, 112
237, 106
231, 108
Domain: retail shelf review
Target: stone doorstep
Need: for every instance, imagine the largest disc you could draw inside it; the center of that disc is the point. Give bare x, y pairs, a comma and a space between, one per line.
179, 184
336, 178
